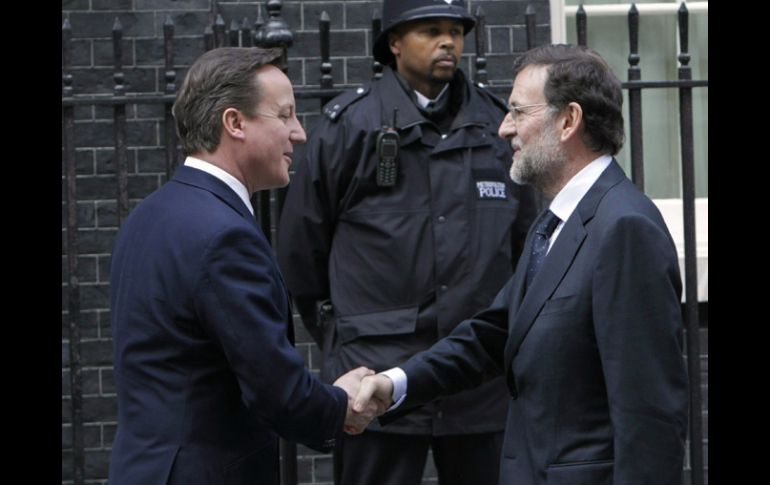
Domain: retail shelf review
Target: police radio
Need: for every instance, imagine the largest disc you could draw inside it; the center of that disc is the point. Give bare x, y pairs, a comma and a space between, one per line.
387, 150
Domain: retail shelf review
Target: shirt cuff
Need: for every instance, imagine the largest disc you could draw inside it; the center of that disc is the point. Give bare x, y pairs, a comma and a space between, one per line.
398, 376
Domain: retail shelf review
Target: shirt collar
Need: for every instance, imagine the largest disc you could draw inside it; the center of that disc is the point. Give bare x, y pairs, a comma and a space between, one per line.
423, 100
225, 177
565, 202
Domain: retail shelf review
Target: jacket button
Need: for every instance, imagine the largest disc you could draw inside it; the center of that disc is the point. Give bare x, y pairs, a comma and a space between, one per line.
441, 218
444, 287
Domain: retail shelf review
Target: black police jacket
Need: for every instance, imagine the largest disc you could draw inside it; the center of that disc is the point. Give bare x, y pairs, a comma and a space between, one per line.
447, 235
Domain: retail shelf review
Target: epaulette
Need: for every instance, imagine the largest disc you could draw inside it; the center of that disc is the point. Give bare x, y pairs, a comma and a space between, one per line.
334, 108
484, 91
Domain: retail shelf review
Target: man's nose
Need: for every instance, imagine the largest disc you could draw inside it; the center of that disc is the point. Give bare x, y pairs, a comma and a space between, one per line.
507, 128
297, 134
447, 41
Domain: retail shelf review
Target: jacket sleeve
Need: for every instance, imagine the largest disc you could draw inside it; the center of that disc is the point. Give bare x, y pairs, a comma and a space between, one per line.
307, 224
638, 325
464, 359
242, 306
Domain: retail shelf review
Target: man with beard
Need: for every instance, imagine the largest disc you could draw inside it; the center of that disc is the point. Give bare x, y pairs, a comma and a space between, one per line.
400, 222
588, 331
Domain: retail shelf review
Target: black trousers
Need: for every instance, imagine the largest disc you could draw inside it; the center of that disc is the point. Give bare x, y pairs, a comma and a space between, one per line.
374, 458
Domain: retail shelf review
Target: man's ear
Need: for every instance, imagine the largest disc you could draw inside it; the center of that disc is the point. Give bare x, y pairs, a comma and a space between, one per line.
232, 123
570, 121
394, 43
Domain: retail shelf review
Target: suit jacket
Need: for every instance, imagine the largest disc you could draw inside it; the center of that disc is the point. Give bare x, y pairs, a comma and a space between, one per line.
206, 375
592, 353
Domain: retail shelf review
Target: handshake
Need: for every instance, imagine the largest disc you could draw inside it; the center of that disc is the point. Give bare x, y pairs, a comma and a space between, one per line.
369, 395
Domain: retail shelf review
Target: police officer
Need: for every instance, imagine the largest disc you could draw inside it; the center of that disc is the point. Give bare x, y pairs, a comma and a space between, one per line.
401, 221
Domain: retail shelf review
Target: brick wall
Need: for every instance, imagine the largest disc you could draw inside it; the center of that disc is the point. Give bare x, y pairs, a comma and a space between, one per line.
143, 66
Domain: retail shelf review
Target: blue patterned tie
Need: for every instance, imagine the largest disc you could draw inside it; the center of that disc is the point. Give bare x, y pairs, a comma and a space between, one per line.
543, 232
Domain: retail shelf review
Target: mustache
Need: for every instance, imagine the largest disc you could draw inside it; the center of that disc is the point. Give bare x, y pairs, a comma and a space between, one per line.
445, 57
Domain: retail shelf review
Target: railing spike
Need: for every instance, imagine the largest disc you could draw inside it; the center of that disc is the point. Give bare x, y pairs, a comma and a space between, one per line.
530, 19
324, 27
481, 77
219, 31
234, 33
208, 38
581, 19
117, 50
376, 30
66, 37
684, 43
246, 40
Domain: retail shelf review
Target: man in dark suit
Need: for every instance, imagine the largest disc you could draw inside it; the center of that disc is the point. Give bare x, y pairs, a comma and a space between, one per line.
588, 330
206, 375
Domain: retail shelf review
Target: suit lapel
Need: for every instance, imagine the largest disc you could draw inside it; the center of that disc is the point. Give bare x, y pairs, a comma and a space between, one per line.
555, 266
517, 290
521, 268
526, 307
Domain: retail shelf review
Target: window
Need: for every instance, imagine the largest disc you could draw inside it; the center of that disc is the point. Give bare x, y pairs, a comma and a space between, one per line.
658, 48
607, 33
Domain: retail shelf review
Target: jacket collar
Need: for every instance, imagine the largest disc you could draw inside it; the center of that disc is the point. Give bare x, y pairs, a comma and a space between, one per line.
200, 179
468, 128
394, 96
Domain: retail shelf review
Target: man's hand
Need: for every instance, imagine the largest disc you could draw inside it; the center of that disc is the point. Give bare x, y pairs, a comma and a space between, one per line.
374, 388
357, 421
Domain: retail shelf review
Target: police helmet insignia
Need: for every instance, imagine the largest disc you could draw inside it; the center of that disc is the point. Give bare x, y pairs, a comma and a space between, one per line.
397, 12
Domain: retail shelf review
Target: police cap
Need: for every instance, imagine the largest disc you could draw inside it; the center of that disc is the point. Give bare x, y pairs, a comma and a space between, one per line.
396, 12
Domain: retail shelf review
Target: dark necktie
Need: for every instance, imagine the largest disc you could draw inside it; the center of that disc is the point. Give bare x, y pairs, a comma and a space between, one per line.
543, 232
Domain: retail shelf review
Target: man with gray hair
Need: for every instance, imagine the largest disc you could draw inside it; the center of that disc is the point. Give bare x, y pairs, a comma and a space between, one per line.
588, 331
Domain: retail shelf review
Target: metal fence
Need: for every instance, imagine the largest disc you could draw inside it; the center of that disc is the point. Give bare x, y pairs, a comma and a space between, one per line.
275, 33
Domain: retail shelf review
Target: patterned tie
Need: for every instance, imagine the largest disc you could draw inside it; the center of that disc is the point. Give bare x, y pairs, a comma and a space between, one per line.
543, 232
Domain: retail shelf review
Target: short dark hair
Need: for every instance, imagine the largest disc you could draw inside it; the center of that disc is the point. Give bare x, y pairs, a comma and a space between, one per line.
579, 74
219, 79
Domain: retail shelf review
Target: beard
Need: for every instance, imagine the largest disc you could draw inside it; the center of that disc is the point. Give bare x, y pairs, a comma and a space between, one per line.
442, 76
539, 160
